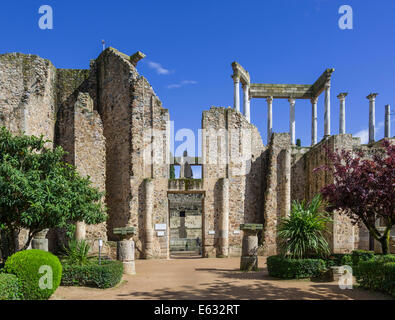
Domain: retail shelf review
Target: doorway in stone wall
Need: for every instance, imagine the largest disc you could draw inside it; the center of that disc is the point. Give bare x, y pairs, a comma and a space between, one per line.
185, 225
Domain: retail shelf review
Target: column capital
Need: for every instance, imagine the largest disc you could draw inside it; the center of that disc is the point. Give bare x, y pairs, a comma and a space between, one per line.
314, 100
372, 96
342, 95
327, 85
291, 100
269, 99
236, 78
245, 86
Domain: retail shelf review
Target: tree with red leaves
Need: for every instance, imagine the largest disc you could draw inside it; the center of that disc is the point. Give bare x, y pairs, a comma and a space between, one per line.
364, 188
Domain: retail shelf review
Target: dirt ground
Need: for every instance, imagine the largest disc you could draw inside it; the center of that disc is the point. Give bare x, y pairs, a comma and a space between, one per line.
210, 279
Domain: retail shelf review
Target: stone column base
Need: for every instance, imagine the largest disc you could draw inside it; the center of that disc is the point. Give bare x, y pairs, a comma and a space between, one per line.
129, 267
41, 244
249, 263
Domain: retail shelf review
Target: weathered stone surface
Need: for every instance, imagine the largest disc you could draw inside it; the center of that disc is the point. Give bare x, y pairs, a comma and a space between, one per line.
115, 130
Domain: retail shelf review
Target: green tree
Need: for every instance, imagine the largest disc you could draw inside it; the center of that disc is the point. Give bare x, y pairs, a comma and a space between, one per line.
39, 191
301, 234
172, 172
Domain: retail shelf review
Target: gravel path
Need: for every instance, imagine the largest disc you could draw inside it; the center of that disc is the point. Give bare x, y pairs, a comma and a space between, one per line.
209, 279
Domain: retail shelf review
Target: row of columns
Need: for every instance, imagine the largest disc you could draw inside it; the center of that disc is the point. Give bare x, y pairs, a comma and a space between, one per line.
292, 127
314, 101
372, 118
246, 97
342, 117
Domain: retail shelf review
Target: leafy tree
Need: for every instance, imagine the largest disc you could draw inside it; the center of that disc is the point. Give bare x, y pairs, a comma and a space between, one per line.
302, 233
364, 188
39, 191
172, 172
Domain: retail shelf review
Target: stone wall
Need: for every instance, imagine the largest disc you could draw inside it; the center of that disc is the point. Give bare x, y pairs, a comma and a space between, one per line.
277, 195
132, 117
232, 149
27, 94
190, 225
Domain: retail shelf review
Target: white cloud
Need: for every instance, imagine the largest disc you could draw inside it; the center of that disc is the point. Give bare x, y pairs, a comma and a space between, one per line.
181, 84
158, 67
364, 134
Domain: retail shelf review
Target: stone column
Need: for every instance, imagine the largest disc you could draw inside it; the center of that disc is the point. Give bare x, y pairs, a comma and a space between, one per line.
292, 120
125, 253
224, 219
149, 231
327, 114
236, 94
342, 114
372, 116
387, 129
246, 106
40, 241
80, 230
269, 118
314, 102
287, 183
249, 257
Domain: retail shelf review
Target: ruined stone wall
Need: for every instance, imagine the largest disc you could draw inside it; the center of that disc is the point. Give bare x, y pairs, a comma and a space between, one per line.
132, 116
342, 234
190, 225
232, 148
27, 94
278, 188
27, 98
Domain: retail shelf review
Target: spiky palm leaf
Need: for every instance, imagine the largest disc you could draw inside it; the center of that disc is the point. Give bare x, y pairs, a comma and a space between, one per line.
301, 234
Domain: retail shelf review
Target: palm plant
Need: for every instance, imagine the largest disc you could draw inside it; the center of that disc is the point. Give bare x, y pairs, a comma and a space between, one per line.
77, 252
301, 234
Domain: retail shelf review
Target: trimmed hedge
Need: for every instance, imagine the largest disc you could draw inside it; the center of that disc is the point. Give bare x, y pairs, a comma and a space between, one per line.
10, 287
103, 276
27, 266
286, 268
361, 255
376, 275
338, 259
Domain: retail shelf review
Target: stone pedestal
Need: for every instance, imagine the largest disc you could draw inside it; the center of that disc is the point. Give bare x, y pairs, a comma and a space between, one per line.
125, 253
40, 241
249, 256
125, 249
80, 230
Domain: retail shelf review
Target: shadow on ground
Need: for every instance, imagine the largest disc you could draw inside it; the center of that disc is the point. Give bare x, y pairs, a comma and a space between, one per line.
228, 286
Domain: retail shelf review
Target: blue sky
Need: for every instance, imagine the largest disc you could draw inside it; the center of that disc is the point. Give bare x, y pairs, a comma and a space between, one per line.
191, 44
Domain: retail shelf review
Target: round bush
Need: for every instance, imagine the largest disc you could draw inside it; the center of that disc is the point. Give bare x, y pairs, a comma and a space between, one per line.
286, 268
39, 271
9, 287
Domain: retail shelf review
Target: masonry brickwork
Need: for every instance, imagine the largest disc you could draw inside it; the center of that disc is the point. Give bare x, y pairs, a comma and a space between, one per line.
115, 130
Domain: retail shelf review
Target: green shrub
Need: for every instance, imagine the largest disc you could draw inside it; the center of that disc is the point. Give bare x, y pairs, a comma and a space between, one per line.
346, 260
10, 287
301, 234
77, 252
384, 258
26, 266
376, 275
286, 268
361, 255
338, 259
106, 275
